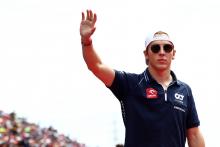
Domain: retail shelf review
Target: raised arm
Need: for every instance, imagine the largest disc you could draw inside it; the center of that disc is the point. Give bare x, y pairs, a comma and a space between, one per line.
93, 61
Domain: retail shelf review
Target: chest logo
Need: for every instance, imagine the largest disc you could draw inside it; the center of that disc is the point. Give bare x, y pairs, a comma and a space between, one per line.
179, 96
151, 93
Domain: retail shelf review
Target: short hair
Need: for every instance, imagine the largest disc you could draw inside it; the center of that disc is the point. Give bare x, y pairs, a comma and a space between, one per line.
160, 32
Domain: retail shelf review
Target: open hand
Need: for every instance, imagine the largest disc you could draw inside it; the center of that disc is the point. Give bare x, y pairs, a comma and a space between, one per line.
87, 26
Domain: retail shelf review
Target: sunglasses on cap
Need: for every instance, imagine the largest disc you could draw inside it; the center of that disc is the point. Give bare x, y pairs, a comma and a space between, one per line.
155, 48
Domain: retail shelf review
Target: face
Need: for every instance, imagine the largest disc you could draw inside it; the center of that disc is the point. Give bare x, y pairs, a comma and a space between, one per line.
160, 54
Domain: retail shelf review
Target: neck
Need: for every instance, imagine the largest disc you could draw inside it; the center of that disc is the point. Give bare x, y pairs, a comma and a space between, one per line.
163, 77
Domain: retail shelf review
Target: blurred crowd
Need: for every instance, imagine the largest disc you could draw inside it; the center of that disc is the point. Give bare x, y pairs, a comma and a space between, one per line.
18, 132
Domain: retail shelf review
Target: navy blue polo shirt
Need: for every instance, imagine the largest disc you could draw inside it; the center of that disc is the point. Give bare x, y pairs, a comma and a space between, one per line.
154, 117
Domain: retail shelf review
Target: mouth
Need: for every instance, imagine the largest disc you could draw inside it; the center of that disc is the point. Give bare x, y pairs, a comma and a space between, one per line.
162, 60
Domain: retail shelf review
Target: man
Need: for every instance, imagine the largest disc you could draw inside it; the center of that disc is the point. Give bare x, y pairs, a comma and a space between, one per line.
158, 110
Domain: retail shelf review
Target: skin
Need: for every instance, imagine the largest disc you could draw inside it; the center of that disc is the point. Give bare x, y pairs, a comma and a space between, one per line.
159, 66
92, 59
159, 63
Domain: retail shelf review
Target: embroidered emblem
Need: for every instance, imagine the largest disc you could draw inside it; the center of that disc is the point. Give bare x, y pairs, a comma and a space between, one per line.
151, 93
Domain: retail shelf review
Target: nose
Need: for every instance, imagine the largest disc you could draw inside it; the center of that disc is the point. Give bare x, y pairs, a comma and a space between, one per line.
162, 52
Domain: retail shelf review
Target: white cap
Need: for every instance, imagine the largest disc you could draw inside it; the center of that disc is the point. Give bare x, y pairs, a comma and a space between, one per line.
156, 36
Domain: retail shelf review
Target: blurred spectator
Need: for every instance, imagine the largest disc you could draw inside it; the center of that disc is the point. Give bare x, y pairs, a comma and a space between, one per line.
17, 132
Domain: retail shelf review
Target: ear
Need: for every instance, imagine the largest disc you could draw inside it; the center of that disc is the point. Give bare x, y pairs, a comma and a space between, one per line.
145, 53
146, 56
174, 53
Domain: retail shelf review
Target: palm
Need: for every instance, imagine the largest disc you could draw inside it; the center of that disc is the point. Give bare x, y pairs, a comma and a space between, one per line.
87, 26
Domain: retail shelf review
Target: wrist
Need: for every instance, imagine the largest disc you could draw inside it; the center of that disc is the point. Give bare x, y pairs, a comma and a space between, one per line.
86, 42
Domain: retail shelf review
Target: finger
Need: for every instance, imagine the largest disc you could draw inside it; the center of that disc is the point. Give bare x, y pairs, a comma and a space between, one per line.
91, 15
87, 15
83, 16
94, 19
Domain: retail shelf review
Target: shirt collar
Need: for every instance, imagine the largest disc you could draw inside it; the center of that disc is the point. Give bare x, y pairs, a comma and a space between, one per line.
149, 78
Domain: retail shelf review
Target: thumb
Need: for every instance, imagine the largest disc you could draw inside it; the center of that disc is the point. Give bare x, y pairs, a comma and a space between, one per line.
93, 30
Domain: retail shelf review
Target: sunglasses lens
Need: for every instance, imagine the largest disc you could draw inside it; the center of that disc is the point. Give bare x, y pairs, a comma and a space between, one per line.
168, 48
155, 48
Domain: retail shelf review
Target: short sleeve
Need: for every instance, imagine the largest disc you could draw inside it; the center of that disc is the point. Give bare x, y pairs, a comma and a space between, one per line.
192, 116
119, 86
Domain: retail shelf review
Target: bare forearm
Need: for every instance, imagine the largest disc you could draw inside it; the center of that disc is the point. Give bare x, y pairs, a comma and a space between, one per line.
196, 140
91, 57
94, 64
197, 143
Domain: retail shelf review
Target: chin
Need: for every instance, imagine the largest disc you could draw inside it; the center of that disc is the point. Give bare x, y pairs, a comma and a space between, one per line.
162, 67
